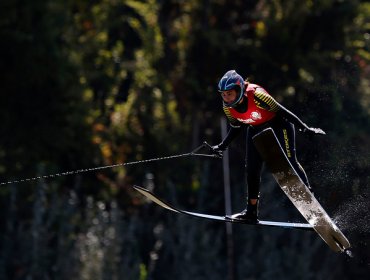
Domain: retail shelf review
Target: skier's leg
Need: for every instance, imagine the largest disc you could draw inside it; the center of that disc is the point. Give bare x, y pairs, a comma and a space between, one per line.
253, 167
286, 137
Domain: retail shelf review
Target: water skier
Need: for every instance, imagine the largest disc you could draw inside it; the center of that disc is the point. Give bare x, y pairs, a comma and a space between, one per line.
247, 104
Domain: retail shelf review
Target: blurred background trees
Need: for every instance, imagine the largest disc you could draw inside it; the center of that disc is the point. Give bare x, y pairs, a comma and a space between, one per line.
93, 83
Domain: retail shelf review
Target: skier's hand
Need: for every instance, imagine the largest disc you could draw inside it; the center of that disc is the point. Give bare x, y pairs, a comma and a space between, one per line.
217, 150
313, 130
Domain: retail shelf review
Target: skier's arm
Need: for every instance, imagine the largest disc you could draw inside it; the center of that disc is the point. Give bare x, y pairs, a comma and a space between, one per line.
288, 115
231, 135
267, 102
235, 128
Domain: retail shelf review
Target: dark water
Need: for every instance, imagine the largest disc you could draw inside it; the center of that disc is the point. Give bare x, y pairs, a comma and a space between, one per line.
353, 218
354, 215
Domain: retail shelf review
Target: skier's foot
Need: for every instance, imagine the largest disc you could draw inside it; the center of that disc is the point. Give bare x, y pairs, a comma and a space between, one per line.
248, 215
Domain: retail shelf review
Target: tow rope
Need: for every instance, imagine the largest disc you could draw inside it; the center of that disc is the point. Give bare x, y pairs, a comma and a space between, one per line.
192, 153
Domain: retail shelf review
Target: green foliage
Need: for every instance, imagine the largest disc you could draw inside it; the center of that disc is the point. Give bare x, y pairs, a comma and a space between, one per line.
44, 117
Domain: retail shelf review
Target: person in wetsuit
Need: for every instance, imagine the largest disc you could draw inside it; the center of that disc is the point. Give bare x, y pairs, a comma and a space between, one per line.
247, 104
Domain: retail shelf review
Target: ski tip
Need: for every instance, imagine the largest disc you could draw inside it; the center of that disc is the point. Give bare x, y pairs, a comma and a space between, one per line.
138, 188
147, 193
349, 253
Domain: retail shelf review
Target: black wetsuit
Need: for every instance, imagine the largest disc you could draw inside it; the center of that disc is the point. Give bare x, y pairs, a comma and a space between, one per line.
258, 110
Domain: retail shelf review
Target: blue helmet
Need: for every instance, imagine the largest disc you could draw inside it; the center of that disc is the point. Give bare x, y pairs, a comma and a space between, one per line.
232, 80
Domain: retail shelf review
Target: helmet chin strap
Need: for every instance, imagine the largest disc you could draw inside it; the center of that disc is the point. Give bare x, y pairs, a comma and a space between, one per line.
235, 103
241, 100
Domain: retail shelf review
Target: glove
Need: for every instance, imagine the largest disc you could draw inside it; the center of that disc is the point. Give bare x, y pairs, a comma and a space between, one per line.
312, 130
217, 150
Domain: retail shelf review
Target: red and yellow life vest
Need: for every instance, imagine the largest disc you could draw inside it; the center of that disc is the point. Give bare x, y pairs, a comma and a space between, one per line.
262, 107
